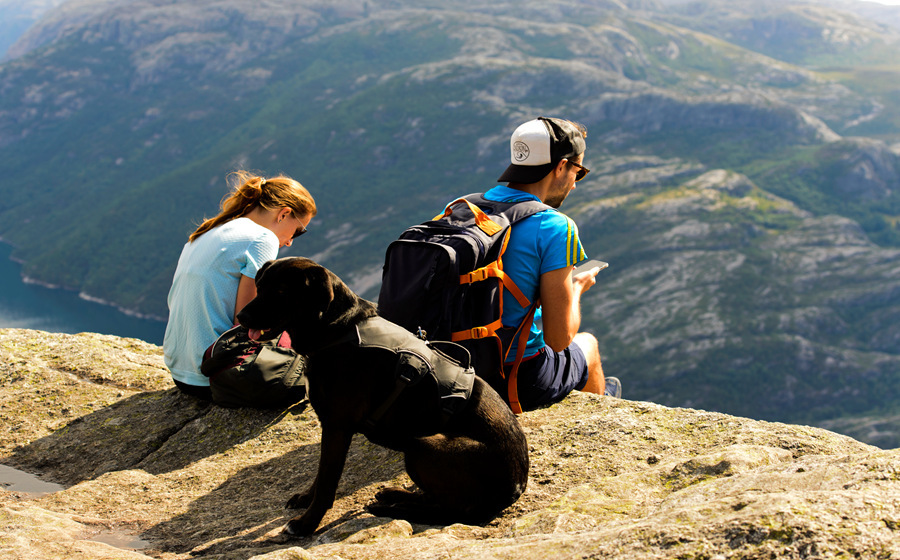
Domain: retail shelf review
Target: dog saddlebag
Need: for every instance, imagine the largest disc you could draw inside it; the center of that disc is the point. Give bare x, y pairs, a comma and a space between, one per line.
246, 373
446, 362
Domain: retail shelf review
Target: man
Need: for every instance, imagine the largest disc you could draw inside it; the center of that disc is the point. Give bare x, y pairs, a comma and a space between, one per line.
546, 162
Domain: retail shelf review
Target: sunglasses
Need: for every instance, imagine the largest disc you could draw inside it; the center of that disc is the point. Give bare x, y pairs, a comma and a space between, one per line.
582, 171
300, 230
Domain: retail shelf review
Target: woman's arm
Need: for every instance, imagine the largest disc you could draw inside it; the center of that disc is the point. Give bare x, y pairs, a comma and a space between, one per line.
246, 292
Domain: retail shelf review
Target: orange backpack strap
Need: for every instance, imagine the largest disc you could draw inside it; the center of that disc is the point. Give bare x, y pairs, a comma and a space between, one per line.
477, 332
522, 340
482, 220
494, 270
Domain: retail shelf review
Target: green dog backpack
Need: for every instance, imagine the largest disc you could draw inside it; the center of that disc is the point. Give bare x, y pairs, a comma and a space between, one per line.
443, 280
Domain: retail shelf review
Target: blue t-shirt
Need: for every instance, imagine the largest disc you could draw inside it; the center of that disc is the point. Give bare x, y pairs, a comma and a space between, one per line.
540, 243
204, 291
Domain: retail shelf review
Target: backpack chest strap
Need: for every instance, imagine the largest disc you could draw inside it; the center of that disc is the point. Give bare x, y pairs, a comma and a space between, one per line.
477, 332
494, 270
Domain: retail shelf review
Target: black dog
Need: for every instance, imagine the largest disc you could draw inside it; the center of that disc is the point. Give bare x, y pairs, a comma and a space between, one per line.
469, 468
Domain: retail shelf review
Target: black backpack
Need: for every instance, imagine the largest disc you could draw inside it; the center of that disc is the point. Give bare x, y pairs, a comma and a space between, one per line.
443, 280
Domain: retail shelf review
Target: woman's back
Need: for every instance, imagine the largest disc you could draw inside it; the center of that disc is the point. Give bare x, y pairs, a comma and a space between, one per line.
202, 297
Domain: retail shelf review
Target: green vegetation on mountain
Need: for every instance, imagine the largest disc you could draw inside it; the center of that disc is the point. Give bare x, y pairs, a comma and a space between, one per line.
744, 185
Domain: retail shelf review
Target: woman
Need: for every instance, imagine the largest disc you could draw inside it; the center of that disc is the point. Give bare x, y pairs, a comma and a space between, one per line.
214, 279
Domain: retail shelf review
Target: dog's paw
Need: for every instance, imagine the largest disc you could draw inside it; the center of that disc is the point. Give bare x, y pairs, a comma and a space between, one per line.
393, 495
280, 537
301, 526
300, 501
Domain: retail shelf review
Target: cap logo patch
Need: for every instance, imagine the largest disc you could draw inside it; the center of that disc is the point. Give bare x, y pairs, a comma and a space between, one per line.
521, 151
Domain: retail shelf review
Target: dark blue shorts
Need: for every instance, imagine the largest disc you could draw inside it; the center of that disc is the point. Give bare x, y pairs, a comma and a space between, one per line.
548, 376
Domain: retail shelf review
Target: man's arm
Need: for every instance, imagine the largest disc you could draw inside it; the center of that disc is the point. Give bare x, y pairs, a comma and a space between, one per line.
561, 304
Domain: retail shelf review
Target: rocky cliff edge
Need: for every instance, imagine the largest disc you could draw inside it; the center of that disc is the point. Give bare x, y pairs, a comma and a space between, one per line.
609, 478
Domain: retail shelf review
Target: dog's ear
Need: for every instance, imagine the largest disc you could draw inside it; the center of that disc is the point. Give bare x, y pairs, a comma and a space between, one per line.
321, 291
262, 269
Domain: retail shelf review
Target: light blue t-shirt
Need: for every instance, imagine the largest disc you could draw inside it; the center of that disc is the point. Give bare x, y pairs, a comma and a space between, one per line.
540, 243
204, 291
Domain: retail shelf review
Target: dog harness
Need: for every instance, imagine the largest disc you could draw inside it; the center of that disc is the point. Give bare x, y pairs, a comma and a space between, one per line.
416, 359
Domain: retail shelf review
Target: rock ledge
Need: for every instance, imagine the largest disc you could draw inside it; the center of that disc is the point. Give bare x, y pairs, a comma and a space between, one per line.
609, 478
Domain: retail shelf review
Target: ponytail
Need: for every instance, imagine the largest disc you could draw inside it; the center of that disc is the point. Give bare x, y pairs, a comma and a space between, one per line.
252, 192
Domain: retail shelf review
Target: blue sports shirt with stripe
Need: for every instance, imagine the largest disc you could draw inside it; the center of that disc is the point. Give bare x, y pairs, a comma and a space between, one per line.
540, 243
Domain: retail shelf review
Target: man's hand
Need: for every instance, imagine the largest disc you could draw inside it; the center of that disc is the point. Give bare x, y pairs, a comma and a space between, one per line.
584, 280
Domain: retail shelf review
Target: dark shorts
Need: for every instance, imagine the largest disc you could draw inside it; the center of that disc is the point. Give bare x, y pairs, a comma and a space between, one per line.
202, 393
548, 376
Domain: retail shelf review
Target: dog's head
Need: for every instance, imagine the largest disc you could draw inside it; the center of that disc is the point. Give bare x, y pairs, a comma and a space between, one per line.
291, 293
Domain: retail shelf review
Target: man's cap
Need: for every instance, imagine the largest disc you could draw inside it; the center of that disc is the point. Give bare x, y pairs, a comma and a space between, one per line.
538, 145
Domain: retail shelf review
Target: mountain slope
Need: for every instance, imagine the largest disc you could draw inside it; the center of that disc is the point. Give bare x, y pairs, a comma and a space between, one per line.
751, 237
736, 299
17, 16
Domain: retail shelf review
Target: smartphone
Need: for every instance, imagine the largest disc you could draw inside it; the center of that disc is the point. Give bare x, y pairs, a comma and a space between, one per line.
589, 265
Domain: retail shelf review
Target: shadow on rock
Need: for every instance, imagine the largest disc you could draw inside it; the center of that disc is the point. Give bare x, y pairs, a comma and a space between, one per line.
248, 509
157, 431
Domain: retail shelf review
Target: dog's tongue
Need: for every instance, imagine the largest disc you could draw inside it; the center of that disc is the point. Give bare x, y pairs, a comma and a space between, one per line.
254, 334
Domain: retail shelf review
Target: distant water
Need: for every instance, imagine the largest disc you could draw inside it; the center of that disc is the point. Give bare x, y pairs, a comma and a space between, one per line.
29, 306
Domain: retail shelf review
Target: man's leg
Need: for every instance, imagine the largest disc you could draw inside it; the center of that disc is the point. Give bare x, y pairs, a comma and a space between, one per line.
596, 383
549, 376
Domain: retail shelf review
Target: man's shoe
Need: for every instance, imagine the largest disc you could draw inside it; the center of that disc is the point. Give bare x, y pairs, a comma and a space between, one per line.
613, 387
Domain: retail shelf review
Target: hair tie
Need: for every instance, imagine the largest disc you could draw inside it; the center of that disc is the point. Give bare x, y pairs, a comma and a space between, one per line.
262, 182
